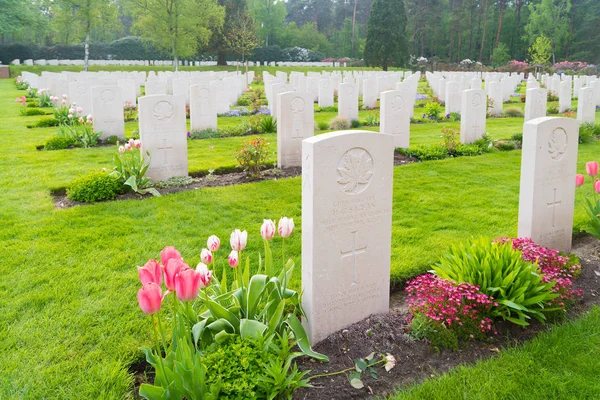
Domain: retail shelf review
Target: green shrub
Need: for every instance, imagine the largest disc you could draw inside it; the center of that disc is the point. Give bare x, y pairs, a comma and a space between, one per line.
252, 156
426, 153
506, 145
433, 110
26, 112
238, 130
95, 186
372, 120
355, 123
268, 124
485, 142
326, 109
322, 125
513, 112
552, 109
32, 103
59, 143
468, 150
339, 124
208, 133
244, 102
552, 96
45, 123
588, 132
517, 137
454, 117
500, 272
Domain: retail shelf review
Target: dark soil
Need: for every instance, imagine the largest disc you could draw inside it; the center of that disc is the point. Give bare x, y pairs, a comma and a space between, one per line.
417, 360
234, 178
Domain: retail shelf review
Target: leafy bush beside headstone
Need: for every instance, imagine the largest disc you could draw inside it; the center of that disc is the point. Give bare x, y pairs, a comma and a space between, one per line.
95, 186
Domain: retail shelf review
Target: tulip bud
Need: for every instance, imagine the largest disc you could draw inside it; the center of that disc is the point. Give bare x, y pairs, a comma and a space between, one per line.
71, 110
150, 272
206, 256
63, 102
213, 243
285, 227
127, 146
205, 275
592, 168
579, 179
267, 230
89, 116
187, 284
150, 298
167, 253
238, 240
64, 96
174, 267
80, 120
79, 110
121, 149
597, 186
233, 259
70, 116
137, 143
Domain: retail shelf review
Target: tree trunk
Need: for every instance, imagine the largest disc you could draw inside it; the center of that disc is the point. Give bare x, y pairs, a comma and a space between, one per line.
485, 13
86, 55
422, 43
176, 62
221, 59
452, 22
458, 31
353, 28
471, 30
500, 18
246, 73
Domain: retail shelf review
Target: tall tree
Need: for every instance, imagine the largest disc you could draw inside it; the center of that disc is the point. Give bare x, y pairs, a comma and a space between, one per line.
270, 15
178, 26
242, 37
550, 18
387, 44
218, 43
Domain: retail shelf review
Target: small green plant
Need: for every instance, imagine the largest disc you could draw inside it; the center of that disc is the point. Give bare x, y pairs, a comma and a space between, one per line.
513, 112
516, 285
426, 153
211, 177
552, 109
485, 142
45, 122
238, 130
339, 124
252, 156
322, 125
589, 132
506, 145
468, 150
433, 110
326, 109
131, 166
450, 140
44, 99
454, 117
355, 124
552, 96
95, 186
267, 124
517, 137
372, 120
26, 112
59, 143
208, 133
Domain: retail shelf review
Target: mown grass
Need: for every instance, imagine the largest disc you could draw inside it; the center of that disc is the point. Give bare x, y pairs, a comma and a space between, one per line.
562, 363
69, 321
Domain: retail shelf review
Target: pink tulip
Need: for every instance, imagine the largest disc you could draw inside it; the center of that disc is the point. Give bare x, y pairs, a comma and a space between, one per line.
238, 240
18, 100
70, 116
150, 272
187, 284
285, 227
579, 179
132, 142
150, 298
592, 168
137, 143
267, 230
79, 110
597, 186
173, 268
64, 96
71, 110
206, 256
127, 146
233, 259
213, 243
63, 102
205, 275
167, 253
81, 120
89, 116
24, 99
121, 149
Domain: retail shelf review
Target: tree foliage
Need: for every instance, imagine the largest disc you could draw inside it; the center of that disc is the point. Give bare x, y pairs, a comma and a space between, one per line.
540, 51
386, 37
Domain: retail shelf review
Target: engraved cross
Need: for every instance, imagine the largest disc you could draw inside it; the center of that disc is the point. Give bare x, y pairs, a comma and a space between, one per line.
555, 203
353, 253
165, 148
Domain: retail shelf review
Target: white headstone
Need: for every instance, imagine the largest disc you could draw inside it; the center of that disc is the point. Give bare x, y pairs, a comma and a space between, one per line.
295, 122
548, 168
472, 115
586, 106
453, 97
155, 87
348, 101
128, 89
325, 93
203, 111
107, 111
535, 103
163, 133
369, 93
564, 96
395, 116
495, 94
346, 228
80, 94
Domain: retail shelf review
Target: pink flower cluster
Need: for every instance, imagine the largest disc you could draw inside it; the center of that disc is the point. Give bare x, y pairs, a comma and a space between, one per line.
572, 65
343, 60
22, 100
448, 303
328, 59
518, 64
553, 266
130, 145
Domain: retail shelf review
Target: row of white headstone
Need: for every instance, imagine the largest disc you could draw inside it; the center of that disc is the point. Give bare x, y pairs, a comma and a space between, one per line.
163, 63
347, 180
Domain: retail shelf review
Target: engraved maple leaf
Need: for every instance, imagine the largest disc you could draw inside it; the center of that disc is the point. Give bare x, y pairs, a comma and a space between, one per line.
556, 146
357, 170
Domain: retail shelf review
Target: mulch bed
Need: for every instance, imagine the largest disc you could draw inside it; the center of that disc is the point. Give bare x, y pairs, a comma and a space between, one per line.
235, 178
416, 360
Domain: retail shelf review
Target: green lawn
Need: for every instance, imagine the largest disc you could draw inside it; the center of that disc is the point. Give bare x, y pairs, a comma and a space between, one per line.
69, 321
562, 363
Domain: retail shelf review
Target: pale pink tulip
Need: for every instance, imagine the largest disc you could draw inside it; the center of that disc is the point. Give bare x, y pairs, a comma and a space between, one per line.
233, 259
127, 146
205, 275
579, 179
267, 230
285, 227
592, 168
167, 253
213, 243
81, 121
79, 110
63, 102
150, 298
89, 116
137, 143
71, 110
187, 284
206, 256
150, 272
238, 240
70, 116
174, 267
121, 149
64, 96
597, 186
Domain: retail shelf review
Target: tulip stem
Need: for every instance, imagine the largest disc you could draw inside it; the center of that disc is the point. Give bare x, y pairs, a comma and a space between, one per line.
344, 370
283, 252
160, 359
162, 333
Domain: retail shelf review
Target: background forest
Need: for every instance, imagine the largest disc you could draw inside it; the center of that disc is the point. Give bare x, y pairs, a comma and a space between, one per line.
489, 31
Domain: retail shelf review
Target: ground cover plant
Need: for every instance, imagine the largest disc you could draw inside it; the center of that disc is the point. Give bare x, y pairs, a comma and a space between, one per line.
76, 336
